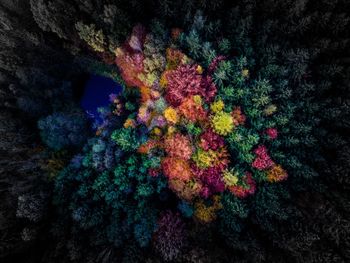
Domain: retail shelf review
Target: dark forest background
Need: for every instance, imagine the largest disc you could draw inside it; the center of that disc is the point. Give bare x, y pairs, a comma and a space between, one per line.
43, 59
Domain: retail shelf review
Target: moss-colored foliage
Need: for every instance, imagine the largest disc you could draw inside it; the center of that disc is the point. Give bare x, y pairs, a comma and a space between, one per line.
91, 36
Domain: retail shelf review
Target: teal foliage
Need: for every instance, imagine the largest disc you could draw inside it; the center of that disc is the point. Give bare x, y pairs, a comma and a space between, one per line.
64, 129
112, 202
186, 209
270, 206
126, 139
233, 214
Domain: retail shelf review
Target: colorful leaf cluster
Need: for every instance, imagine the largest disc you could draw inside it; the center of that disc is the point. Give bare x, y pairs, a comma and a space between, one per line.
193, 135
196, 161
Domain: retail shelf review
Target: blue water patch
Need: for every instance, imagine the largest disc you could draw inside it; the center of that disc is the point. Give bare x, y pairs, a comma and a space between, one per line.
96, 94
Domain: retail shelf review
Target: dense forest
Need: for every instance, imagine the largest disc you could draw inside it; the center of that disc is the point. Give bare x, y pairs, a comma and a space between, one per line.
226, 140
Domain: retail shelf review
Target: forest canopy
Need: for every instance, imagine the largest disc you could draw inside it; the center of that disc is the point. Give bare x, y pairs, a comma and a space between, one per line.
225, 138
